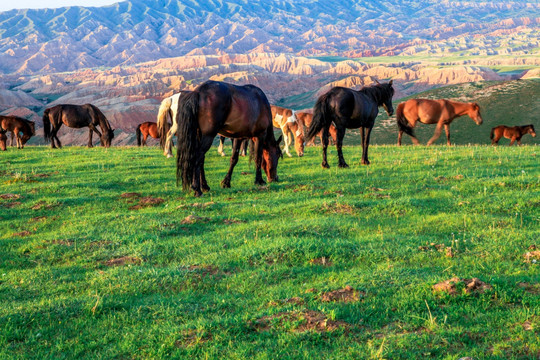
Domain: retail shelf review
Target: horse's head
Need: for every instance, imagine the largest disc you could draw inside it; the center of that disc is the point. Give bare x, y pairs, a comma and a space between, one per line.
474, 113
106, 137
271, 154
387, 97
25, 137
531, 131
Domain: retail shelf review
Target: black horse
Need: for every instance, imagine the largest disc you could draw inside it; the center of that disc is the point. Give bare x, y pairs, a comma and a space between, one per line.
349, 109
76, 116
237, 112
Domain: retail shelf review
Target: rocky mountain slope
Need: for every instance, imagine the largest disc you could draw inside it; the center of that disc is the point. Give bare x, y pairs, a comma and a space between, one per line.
135, 31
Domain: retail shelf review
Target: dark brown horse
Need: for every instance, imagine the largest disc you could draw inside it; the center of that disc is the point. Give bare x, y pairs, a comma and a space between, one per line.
441, 112
17, 126
3, 139
349, 109
233, 111
513, 133
306, 118
145, 129
77, 116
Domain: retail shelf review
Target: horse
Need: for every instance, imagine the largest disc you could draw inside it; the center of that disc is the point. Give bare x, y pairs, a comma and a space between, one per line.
168, 109
32, 128
349, 109
285, 119
233, 111
76, 116
305, 119
17, 126
145, 129
243, 146
441, 112
514, 133
3, 139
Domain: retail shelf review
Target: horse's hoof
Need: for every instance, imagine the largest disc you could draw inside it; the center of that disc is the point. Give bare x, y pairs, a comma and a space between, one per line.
225, 185
343, 165
169, 156
260, 182
205, 188
325, 165
364, 162
197, 193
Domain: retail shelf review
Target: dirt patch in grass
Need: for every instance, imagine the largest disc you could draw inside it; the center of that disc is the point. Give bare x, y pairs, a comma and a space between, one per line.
233, 221
196, 205
147, 201
298, 321
38, 218
530, 288
447, 250
469, 286
124, 260
22, 234
42, 176
323, 261
131, 195
11, 205
337, 208
63, 242
10, 196
294, 300
191, 338
347, 294
40, 205
192, 219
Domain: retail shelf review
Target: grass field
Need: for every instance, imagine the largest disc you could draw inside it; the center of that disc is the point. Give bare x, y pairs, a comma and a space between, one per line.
102, 256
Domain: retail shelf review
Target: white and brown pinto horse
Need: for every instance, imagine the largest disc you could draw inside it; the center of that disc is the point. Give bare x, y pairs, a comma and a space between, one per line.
441, 112
286, 120
168, 110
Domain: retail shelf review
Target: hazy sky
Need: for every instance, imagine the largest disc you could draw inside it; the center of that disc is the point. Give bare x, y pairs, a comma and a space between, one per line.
41, 4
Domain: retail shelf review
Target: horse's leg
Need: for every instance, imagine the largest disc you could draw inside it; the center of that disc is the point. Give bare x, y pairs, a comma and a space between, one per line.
519, 140
13, 138
447, 131
437, 133
243, 147
221, 146
285, 131
145, 136
366, 132
258, 161
400, 134
92, 128
512, 141
339, 145
324, 140
90, 137
198, 173
18, 138
204, 184
226, 183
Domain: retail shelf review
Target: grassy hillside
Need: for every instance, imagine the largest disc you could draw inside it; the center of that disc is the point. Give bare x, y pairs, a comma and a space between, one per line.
503, 103
101, 256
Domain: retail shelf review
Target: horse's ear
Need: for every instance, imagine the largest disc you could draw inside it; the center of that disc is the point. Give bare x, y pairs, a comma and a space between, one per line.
391, 82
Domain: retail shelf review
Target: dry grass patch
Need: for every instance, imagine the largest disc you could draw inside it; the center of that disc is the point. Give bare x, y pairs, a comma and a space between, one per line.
530, 288
44, 205
323, 261
124, 260
298, 321
337, 208
193, 337
10, 196
449, 251
294, 300
22, 234
533, 255
192, 219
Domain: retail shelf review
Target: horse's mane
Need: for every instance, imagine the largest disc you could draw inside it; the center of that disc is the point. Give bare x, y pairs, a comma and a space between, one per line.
101, 117
379, 92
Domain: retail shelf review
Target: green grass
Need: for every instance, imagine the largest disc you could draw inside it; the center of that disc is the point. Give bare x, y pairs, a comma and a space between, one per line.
201, 290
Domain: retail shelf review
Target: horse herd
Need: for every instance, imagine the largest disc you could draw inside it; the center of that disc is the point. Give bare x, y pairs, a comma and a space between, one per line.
243, 113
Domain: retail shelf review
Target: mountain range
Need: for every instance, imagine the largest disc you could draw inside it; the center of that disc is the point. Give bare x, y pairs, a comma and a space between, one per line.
130, 32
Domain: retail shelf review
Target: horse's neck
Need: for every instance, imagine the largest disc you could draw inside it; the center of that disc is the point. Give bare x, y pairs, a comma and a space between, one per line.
460, 108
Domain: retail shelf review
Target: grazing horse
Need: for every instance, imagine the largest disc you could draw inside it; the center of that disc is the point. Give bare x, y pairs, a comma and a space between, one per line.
243, 146
168, 109
286, 120
349, 109
305, 119
76, 116
145, 129
3, 139
441, 112
17, 126
233, 111
514, 133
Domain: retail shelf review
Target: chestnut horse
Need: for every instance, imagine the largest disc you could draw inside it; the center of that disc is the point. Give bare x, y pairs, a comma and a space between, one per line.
233, 111
17, 126
285, 119
305, 119
76, 116
441, 112
145, 129
349, 109
168, 110
514, 133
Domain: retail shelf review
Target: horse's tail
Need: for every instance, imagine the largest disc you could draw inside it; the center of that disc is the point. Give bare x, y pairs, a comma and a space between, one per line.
188, 142
139, 134
402, 122
162, 123
46, 125
492, 134
322, 117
